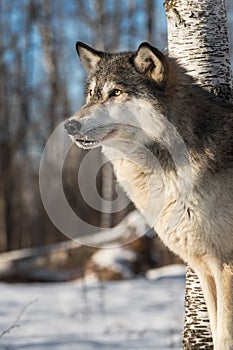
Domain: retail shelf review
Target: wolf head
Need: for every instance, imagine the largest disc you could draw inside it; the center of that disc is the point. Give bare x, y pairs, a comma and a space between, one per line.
124, 92
128, 98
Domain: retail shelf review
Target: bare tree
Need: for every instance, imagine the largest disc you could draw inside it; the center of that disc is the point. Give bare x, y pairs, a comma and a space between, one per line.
15, 120
197, 37
37, 90
150, 20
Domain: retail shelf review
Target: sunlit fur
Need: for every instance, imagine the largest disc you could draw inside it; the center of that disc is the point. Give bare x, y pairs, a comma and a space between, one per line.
171, 146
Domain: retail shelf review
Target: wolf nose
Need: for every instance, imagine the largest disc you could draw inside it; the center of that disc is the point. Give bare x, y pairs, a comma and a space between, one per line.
72, 126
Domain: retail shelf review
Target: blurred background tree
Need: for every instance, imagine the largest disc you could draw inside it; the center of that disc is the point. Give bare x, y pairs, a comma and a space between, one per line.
42, 84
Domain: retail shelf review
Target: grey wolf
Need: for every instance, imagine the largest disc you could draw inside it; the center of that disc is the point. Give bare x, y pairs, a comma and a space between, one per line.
165, 135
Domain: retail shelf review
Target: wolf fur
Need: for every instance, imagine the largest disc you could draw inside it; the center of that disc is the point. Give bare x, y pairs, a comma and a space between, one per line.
166, 136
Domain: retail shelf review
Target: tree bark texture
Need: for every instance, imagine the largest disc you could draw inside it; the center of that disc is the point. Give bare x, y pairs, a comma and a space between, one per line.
197, 38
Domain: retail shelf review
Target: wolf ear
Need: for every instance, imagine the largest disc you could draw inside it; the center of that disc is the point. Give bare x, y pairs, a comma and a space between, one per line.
88, 56
150, 61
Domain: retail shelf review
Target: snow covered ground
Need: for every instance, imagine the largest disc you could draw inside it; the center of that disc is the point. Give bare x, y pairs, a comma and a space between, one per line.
138, 314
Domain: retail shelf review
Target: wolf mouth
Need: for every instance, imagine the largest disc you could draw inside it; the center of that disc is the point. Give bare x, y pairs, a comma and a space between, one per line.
88, 144
92, 143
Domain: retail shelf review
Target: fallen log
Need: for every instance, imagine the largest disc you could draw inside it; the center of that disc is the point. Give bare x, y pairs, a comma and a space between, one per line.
65, 261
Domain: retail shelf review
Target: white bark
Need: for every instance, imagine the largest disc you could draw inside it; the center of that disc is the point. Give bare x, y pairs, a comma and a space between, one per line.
197, 37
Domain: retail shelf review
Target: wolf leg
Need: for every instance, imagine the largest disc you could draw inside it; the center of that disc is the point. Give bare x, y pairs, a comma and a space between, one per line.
224, 284
209, 290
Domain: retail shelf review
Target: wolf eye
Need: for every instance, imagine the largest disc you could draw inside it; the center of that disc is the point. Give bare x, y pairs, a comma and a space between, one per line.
115, 92
90, 93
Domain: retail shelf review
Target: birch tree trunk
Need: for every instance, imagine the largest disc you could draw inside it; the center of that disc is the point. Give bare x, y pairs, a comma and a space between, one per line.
197, 37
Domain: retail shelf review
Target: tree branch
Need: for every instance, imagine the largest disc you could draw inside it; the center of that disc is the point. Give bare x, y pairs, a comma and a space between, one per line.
16, 323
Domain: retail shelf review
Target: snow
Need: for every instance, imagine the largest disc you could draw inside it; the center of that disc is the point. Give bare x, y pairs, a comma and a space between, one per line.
117, 259
136, 314
175, 270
